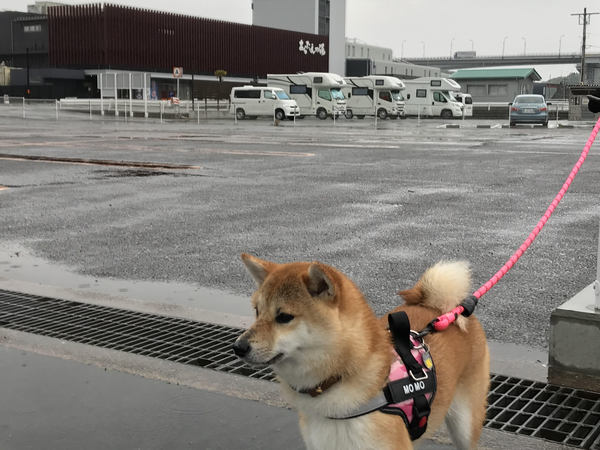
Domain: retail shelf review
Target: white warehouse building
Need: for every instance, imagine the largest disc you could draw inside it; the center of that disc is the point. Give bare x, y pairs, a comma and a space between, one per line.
364, 59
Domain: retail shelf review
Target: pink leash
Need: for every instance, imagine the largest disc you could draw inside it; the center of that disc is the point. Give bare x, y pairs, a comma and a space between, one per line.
468, 305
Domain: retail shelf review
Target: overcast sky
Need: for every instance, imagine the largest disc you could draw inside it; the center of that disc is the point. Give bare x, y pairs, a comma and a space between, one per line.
435, 26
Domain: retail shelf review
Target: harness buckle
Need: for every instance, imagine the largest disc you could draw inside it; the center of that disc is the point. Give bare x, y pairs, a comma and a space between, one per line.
424, 377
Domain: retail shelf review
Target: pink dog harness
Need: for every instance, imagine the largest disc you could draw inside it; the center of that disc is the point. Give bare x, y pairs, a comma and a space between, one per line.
411, 382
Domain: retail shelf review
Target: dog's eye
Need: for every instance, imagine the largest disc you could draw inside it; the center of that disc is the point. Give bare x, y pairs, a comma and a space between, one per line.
283, 318
256, 311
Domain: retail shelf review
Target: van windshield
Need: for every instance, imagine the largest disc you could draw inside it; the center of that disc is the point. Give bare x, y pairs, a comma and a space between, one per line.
397, 96
449, 96
336, 94
282, 95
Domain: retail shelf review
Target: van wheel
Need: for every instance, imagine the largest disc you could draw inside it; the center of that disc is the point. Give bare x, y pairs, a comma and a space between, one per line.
382, 114
446, 114
279, 114
240, 114
322, 113
349, 114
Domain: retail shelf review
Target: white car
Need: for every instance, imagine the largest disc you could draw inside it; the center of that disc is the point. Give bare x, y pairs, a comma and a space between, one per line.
252, 101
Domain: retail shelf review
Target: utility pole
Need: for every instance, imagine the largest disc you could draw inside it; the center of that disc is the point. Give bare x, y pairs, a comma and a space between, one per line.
584, 19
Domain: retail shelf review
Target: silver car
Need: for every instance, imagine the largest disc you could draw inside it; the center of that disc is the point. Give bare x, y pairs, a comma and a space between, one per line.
529, 108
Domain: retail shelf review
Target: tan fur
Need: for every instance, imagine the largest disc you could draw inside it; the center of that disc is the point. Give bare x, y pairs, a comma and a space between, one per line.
334, 332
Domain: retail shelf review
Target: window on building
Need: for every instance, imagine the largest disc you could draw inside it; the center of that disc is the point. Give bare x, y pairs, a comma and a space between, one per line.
421, 93
353, 50
32, 28
362, 51
385, 69
476, 90
497, 90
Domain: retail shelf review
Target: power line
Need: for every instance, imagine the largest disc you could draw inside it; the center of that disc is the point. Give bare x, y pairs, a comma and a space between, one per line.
584, 19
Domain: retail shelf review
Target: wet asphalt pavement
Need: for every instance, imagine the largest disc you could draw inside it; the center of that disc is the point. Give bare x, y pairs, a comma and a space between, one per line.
381, 205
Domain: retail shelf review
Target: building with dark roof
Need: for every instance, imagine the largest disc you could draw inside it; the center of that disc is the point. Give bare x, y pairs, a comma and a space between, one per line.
90, 40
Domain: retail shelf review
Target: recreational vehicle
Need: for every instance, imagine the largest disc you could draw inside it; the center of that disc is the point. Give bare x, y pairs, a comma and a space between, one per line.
252, 101
467, 102
317, 93
431, 97
370, 95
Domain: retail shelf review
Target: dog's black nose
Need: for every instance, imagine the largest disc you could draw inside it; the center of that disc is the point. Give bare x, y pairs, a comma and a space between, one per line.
241, 347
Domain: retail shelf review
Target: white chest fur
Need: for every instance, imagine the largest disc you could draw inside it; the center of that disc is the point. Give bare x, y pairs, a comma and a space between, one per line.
327, 434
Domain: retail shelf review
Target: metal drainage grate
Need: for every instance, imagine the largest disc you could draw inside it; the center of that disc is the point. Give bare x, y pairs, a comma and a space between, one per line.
558, 414
179, 340
554, 413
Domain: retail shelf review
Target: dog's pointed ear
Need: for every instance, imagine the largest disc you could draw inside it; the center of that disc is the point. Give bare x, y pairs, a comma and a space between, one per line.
318, 283
258, 268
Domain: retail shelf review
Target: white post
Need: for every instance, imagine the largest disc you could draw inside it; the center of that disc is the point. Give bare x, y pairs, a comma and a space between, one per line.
178, 88
333, 112
90, 109
197, 105
130, 101
23, 107
56, 106
557, 115
597, 282
101, 75
234, 114
295, 114
161, 111
375, 100
145, 98
116, 107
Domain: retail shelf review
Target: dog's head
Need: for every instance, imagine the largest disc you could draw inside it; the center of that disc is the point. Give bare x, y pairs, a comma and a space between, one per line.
296, 308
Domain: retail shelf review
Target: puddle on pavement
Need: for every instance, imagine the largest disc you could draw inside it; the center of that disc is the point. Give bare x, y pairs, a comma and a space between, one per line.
18, 264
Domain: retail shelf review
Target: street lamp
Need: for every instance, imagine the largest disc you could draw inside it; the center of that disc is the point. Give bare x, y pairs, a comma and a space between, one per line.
503, 45
560, 44
423, 42
524, 45
402, 51
451, 45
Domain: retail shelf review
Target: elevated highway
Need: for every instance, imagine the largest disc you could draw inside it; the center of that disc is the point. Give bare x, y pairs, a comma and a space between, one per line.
505, 60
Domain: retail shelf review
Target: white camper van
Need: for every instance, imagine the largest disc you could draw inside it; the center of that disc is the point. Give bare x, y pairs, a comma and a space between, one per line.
370, 95
467, 102
432, 97
252, 101
317, 93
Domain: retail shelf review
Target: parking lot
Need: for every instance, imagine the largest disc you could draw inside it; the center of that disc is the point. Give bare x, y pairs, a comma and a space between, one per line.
175, 203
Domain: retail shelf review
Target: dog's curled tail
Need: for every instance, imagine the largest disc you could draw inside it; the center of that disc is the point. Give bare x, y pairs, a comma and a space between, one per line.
442, 287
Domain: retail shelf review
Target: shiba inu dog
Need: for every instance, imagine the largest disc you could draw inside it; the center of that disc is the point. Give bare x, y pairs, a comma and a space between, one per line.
331, 354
